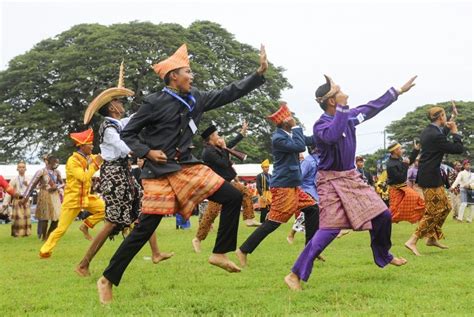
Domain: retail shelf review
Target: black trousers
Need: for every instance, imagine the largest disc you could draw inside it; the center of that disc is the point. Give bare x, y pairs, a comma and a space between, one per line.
311, 216
226, 241
263, 213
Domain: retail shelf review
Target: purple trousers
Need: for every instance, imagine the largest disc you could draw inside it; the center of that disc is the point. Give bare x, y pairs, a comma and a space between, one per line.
379, 238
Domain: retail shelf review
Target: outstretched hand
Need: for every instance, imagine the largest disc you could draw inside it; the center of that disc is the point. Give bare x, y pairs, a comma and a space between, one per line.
408, 85
263, 61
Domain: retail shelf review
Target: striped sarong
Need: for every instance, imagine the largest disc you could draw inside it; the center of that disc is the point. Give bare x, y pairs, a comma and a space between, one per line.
179, 192
287, 201
405, 204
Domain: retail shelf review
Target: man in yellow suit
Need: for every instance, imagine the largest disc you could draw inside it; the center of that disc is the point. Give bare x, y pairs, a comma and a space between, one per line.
80, 167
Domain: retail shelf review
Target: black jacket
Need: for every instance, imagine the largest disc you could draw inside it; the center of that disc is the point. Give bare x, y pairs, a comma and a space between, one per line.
366, 176
161, 120
397, 171
434, 144
219, 160
261, 182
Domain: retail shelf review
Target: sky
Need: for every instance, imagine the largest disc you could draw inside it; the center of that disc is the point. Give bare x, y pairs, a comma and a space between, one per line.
365, 46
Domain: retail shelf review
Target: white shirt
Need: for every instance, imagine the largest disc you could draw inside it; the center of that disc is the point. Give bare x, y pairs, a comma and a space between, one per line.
112, 147
464, 179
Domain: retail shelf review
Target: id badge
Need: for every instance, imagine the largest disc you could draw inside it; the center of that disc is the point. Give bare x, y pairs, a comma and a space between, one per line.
193, 126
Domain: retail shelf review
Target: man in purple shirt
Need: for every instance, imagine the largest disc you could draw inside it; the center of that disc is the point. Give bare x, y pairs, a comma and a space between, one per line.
345, 201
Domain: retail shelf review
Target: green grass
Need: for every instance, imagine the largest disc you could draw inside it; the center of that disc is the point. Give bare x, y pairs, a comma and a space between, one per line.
348, 283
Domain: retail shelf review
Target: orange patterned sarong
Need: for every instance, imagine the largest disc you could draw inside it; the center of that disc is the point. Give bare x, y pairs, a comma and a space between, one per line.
286, 202
405, 204
180, 191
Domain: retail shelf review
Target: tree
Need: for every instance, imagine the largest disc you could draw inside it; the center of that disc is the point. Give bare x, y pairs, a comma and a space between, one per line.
412, 124
44, 92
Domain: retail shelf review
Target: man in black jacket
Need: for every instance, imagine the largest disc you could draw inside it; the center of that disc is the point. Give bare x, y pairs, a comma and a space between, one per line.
434, 144
364, 174
173, 180
216, 156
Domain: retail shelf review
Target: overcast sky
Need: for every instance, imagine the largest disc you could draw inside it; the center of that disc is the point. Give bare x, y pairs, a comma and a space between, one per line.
365, 46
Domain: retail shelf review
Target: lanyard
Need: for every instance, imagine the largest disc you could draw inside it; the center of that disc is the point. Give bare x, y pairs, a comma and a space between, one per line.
191, 98
52, 176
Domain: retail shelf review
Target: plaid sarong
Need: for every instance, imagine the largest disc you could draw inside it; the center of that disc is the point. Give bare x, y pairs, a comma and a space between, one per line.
179, 192
286, 202
406, 204
346, 201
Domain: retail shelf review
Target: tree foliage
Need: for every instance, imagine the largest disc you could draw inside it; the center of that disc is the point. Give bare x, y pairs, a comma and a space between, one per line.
44, 92
412, 124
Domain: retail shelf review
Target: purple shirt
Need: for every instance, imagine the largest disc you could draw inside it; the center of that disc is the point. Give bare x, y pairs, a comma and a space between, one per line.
412, 172
335, 136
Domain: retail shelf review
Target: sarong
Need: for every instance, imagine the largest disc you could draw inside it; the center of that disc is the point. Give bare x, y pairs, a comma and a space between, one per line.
287, 201
406, 204
180, 191
346, 202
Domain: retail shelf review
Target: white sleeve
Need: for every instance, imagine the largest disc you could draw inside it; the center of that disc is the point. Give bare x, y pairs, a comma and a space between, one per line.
112, 137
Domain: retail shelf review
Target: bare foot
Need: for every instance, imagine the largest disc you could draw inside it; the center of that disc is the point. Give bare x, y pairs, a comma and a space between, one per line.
321, 258
435, 243
343, 233
398, 261
85, 231
293, 282
290, 239
222, 261
412, 248
104, 287
251, 223
242, 257
82, 271
162, 256
197, 245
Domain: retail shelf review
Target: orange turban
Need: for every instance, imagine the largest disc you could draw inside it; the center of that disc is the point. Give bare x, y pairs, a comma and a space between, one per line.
179, 59
84, 137
281, 114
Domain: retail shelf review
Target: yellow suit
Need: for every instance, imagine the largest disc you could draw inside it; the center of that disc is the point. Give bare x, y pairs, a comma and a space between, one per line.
77, 197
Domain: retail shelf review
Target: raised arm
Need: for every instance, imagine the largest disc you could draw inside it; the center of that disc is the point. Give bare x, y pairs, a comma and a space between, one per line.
34, 182
331, 131
372, 108
295, 144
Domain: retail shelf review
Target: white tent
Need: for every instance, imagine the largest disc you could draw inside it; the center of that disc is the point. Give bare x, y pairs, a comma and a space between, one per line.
9, 171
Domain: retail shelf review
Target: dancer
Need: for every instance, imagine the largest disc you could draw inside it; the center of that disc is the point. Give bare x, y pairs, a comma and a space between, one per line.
173, 180
48, 207
118, 187
465, 181
455, 193
365, 174
21, 213
405, 203
309, 169
287, 196
215, 156
80, 168
263, 189
345, 200
434, 144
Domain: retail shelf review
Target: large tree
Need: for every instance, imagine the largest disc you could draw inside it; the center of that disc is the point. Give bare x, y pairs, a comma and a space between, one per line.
44, 92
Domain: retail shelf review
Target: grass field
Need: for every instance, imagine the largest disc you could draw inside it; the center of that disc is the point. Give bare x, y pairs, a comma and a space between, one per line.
348, 283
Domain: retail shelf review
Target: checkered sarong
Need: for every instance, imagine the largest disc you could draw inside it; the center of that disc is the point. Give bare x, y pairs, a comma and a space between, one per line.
405, 204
